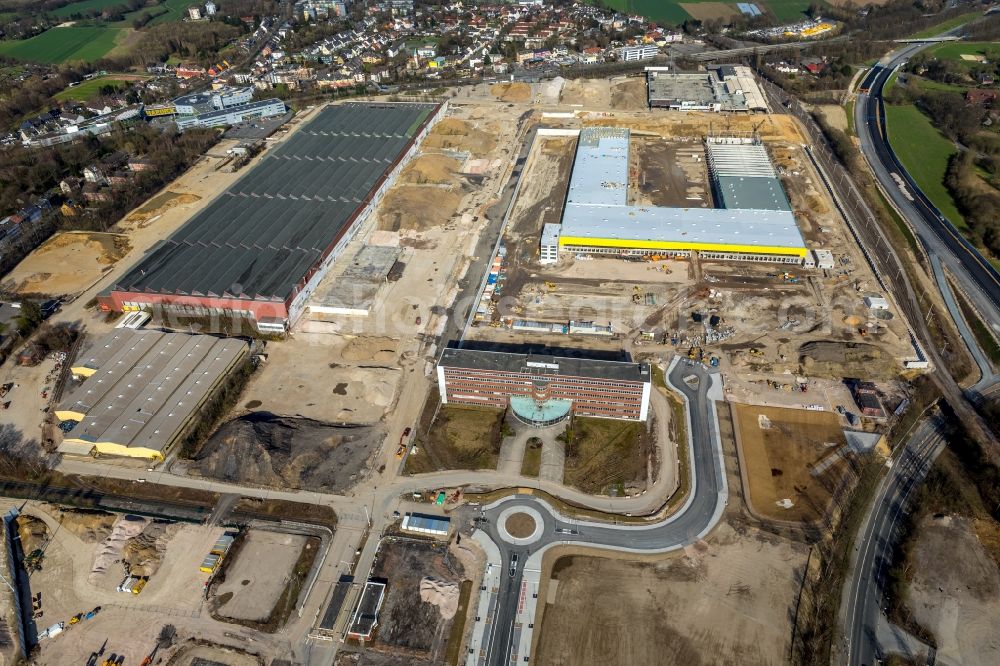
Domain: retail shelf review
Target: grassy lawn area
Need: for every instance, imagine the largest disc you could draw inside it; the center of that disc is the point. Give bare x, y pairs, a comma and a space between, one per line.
926, 84
945, 26
604, 455
955, 51
459, 438
849, 110
532, 461
64, 44
924, 152
89, 89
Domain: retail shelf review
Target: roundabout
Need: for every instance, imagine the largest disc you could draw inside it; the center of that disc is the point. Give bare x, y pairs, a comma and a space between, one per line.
520, 525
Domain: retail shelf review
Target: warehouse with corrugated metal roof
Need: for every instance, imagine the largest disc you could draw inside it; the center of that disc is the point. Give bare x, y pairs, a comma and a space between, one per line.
260, 248
142, 389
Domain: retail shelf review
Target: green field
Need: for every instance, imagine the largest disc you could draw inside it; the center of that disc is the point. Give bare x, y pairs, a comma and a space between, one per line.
670, 11
89, 89
787, 10
924, 152
955, 51
945, 26
63, 45
85, 6
175, 11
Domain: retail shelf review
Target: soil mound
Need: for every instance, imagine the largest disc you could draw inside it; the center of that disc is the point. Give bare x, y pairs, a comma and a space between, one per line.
110, 550
144, 552
442, 594
286, 452
460, 135
839, 359
511, 92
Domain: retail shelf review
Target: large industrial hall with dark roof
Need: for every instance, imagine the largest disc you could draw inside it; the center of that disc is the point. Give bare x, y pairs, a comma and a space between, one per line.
261, 247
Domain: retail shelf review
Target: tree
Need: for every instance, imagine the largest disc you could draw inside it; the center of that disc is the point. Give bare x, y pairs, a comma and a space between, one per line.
168, 634
29, 318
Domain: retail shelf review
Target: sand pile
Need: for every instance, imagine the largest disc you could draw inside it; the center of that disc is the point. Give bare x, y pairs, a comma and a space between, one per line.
442, 594
511, 92
88, 526
158, 205
412, 207
32, 532
431, 169
110, 550
461, 135
375, 349
144, 552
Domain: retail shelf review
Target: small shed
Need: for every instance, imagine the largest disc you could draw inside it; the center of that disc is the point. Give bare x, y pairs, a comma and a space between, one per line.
876, 303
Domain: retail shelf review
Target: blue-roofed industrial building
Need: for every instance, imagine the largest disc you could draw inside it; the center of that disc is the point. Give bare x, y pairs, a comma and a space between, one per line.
423, 523
753, 220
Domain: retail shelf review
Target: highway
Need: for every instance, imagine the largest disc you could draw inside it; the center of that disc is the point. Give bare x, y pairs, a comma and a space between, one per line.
868, 635
945, 246
506, 630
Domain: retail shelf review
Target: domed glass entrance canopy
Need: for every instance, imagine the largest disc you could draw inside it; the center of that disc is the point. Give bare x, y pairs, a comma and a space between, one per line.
540, 413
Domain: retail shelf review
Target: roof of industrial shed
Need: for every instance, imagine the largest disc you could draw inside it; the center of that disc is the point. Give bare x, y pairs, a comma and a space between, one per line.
148, 387
261, 236
755, 213
543, 364
211, 114
744, 176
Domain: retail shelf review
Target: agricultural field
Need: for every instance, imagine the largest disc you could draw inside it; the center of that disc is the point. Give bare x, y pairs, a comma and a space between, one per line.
677, 11
85, 6
90, 89
924, 151
59, 45
787, 10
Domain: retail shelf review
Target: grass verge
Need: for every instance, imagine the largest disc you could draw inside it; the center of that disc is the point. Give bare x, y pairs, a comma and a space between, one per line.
452, 653
249, 508
532, 462
944, 26
984, 337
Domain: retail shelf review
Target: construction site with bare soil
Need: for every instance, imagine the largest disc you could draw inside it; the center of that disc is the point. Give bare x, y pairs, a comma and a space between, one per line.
725, 600
426, 600
757, 317
109, 583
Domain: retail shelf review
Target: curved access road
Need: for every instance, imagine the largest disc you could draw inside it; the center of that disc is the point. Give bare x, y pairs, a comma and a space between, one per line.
945, 246
505, 620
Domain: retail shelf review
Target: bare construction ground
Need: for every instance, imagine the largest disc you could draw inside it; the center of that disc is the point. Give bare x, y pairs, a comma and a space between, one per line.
629, 94
257, 577
285, 452
955, 589
127, 624
770, 319
671, 174
792, 460
329, 378
421, 600
66, 264
727, 600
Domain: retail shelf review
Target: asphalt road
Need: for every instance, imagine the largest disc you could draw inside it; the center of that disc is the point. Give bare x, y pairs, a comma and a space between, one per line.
699, 515
976, 276
861, 613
